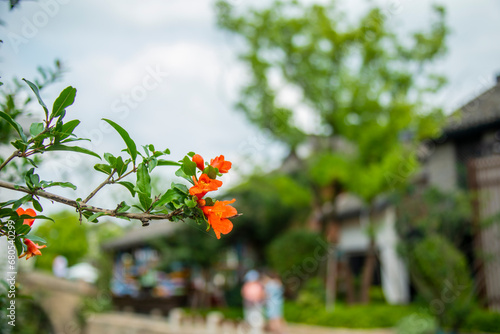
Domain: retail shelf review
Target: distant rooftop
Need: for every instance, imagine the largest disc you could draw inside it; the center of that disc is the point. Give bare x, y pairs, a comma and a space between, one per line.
140, 235
482, 111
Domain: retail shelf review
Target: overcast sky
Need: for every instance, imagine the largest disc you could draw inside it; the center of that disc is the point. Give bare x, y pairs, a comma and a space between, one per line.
162, 69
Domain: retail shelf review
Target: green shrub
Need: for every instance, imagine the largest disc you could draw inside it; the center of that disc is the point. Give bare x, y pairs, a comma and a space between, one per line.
483, 321
440, 273
355, 316
297, 255
417, 323
312, 294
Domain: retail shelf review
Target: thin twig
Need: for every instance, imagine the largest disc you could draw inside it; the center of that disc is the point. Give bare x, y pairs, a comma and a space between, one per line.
125, 175
15, 154
144, 217
99, 187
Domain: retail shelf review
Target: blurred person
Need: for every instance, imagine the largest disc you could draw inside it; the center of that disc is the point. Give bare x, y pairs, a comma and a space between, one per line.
60, 266
253, 301
273, 288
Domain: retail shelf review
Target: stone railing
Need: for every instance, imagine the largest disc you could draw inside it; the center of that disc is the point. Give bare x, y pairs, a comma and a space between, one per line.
177, 322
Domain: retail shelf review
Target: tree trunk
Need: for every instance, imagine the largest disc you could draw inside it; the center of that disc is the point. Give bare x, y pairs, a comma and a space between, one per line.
368, 270
331, 278
370, 261
349, 284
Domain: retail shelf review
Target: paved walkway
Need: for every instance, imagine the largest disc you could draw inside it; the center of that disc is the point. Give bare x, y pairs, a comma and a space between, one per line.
306, 329
119, 323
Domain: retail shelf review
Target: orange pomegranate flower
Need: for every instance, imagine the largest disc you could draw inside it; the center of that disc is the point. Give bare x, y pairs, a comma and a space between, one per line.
198, 159
217, 216
29, 212
33, 249
204, 185
219, 162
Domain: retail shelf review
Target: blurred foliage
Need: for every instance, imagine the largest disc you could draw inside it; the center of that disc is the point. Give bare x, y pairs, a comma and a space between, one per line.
439, 271
308, 248
435, 228
76, 241
271, 204
31, 318
355, 316
482, 320
364, 84
433, 211
417, 323
66, 236
312, 293
377, 295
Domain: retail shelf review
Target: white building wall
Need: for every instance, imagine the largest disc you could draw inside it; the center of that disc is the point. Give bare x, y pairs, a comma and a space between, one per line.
441, 167
394, 273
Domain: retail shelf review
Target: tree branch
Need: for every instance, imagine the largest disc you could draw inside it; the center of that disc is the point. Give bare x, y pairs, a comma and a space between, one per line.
143, 217
99, 187
15, 154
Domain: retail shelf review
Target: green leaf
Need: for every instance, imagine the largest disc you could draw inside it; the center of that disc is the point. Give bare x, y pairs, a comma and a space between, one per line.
123, 207
59, 147
3, 204
106, 169
180, 173
143, 185
61, 184
190, 203
35, 90
181, 187
131, 147
188, 166
35, 238
129, 186
21, 201
110, 158
120, 167
20, 144
65, 99
162, 162
23, 229
152, 164
95, 216
68, 127
145, 201
168, 197
37, 205
36, 129
41, 217
15, 125
212, 172
19, 246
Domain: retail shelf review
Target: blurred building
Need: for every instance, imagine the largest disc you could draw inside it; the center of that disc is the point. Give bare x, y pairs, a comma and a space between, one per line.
139, 283
468, 157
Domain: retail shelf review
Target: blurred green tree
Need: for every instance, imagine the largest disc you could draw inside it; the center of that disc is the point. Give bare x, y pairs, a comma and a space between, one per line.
66, 237
271, 203
363, 85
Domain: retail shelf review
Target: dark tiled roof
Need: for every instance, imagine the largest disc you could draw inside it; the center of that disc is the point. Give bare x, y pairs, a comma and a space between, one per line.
140, 235
481, 111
